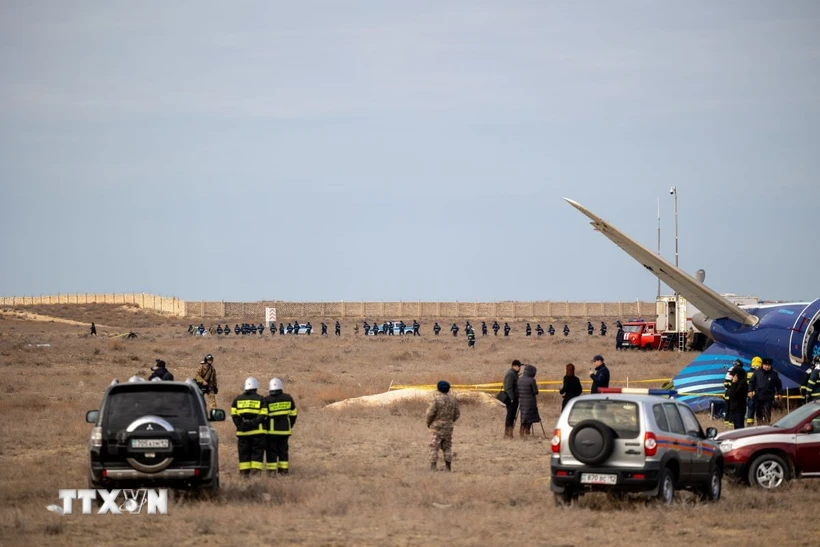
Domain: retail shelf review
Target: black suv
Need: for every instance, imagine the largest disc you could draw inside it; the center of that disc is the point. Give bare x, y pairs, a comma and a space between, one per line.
154, 434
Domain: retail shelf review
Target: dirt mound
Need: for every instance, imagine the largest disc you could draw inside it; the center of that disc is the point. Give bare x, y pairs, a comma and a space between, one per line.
404, 395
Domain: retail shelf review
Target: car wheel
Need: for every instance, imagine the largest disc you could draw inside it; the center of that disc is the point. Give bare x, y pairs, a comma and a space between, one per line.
591, 442
666, 487
712, 489
768, 471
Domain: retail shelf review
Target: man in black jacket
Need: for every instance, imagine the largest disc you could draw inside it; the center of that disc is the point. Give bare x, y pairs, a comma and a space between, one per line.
511, 402
737, 391
764, 386
599, 374
160, 372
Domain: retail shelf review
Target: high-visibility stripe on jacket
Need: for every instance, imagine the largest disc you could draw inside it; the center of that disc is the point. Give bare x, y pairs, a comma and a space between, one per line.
282, 413
249, 412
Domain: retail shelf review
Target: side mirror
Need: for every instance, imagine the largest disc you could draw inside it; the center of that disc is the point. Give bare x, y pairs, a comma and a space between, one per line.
217, 415
91, 416
711, 432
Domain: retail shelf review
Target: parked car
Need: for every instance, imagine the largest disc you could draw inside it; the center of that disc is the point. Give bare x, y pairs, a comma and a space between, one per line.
769, 456
633, 443
395, 326
154, 433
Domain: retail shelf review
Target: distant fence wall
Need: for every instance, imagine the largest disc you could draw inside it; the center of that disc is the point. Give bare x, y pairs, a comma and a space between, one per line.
399, 310
359, 310
161, 304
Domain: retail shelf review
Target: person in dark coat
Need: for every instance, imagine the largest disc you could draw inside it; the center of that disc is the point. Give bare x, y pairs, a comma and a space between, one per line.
738, 392
94, 329
436, 328
511, 402
603, 328
539, 330
506, 329
619, 338
590, 328
338, 329
495, 328
599, 374
572, 385
528, 404
765, 384
528, 330
566, 330
160, 371
483, 328
551, 330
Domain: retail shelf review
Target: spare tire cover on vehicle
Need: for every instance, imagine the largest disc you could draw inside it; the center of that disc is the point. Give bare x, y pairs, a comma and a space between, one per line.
591, 442
151, 460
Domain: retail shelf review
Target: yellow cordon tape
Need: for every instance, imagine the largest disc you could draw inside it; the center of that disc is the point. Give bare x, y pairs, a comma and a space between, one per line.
496, 386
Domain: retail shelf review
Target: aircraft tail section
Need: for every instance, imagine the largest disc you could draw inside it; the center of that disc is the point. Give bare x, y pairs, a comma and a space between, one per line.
705, 299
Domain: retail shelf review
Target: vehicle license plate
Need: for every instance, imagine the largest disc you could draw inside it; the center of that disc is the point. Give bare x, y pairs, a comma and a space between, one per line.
598, 478
149, 443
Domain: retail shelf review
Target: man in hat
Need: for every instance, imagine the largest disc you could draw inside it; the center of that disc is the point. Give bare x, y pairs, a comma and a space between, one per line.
159, 371
599, 374
511, 402
441, 415
764, 386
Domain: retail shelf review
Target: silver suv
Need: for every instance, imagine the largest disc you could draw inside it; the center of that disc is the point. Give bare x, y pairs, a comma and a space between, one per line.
633, 443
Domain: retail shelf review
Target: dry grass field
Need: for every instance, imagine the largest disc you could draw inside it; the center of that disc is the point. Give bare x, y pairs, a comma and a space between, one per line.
358, 476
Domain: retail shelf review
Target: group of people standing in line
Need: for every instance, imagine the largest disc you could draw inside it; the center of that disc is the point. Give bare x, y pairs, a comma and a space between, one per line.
519, 391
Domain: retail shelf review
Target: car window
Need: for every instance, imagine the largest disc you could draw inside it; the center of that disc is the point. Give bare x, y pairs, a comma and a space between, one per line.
621, 416
674, 419
815, 425
126, 405
690, 422
660, 417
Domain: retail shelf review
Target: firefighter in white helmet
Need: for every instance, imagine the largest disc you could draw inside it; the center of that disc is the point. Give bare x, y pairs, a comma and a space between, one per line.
281, 412
249, 415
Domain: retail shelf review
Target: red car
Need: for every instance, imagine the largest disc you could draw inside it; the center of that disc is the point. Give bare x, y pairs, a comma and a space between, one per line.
768, 456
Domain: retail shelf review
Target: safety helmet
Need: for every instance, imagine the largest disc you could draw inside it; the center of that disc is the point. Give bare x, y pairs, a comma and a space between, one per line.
207, 359
757, 362
275, 385
251, 383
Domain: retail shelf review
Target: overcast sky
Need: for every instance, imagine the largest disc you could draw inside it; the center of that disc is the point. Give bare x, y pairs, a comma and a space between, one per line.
325, 151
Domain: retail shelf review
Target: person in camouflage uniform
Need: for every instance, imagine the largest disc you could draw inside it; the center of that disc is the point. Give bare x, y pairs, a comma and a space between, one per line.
441, 415
206, 380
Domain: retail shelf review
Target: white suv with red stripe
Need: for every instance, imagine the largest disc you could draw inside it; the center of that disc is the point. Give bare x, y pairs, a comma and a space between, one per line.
633, 443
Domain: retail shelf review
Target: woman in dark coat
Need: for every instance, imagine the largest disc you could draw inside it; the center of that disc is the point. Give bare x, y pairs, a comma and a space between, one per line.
572, 385
527, 390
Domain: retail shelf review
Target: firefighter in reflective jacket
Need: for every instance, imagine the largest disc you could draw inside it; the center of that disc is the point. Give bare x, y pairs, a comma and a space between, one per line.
811, 389
727, 385
249, 415
281, 409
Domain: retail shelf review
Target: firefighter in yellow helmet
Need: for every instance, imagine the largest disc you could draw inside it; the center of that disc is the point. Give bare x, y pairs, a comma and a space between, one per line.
757, 362
281, 409
249, 415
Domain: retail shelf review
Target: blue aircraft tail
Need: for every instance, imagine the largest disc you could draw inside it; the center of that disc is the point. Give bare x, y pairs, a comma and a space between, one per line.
702, 379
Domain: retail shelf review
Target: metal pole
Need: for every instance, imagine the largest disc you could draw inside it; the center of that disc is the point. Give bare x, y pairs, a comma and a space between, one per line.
678, 326
659, 242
